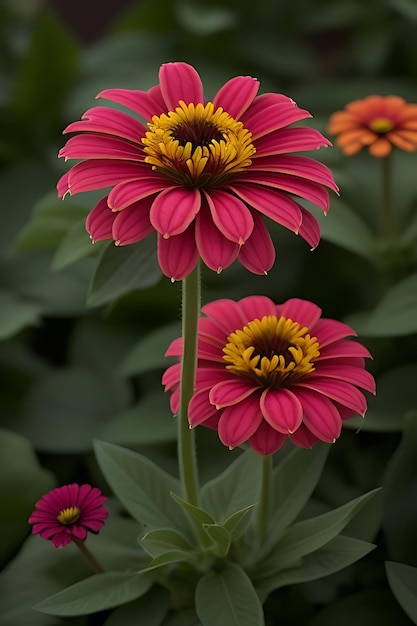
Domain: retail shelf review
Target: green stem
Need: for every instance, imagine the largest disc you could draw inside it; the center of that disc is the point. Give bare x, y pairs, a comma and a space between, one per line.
89, 557
186, 446
388, 221
265, 501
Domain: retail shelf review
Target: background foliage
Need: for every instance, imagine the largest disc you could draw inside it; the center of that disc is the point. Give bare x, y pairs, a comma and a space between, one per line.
81, 351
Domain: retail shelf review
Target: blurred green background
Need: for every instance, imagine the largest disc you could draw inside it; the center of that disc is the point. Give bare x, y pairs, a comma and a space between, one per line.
81, 350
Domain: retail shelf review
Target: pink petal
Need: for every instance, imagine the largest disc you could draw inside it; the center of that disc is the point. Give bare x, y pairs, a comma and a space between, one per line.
266, 115
275, 205
207, 377
88, 146
344, 393
174, 401
99, 222
216, 251
231, 215
180, 81
96, 174
321, 417
200, 408
300, 166
256, 307
130, 191
342, 349
133, 224
309, 229
239, 422
231, 391
79, 532
228, 312
61, 540
266, 440
290, 140
175, 348
178, 255
291, 184
328, 331
110, 122
258, 253
350, 374
236, 95
302, 311
171, 376
174, 209
142, 102
303, 438
212, 331
281, 409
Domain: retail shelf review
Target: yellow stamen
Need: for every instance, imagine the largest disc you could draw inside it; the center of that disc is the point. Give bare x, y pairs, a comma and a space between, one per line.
69, 515
198, 146
275, 352
381, 125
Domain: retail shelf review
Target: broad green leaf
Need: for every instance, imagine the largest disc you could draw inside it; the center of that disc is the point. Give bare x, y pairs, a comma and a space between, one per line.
403, 582
227, 598
116, 545
167, 558
16, 313
148, 354
396, 396
22, 482
185, 617
235, 489
97, 593
161, 540
238, 522
293, 482
193, 512
309, 535
399, 509
337, 554
123, 269
142, 487
395, 315
149, 610
220, 537
74, 245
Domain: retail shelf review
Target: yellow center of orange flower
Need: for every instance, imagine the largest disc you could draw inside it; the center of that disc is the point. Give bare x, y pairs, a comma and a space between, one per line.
69, 516
274, 352
381, 125
197, 145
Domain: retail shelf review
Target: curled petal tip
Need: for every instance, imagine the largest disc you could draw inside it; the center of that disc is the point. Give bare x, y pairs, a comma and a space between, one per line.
166, 236
219, 270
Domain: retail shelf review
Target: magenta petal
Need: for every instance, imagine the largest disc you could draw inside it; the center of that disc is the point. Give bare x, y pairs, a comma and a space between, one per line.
132, 224
216, 251
302, 311
130, 191
256, 307
309, 229
61, 540
174, 401
89, 146
207, 377
343, 349
226, 311
174, 209
200, 408
99, 222
290, 140
178, 255
231, 215
270, 112
175, 348
99, 173
303, 437
180, 81
110, 122
300, 166
349, 373
344, 393
141, 102
321, 417
258, 253
236, 95
275, 205
306, 189
171, 376
239, 422
231, 391
266, 440
281, 409
328, 331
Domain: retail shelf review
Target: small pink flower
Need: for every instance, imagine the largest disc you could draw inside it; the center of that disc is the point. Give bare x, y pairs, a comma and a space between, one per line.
203, 175
270, 371
68, 513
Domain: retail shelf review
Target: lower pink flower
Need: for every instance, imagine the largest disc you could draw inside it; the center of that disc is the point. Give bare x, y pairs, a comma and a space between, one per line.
270, 371
68, 513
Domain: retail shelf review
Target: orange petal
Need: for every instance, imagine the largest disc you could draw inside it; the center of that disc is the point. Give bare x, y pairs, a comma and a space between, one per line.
381, 148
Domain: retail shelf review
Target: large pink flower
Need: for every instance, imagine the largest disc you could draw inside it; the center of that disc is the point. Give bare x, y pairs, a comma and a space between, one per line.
202, 174
68, 513
270, 371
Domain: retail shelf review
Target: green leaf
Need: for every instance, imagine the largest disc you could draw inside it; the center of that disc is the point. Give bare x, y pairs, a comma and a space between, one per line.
167, 558
97, 593
220, 537
204, 20
309, 535
149, 610
396, 396
22, 482
184, 617
238, 522
123, 269
74, 245
161, 540
337, 554
148, 354
227, 598
193, 512
235, 489
16, 313
403, 582
395, 315
142, 487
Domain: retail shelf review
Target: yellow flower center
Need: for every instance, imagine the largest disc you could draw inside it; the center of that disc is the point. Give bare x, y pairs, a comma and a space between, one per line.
198, 146
381, 125
274, 352
69, 516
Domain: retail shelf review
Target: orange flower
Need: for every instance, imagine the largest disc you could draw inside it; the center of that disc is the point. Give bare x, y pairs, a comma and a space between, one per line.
379, 122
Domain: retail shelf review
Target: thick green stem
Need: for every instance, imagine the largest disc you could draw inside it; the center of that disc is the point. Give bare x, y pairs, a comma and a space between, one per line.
263, 507
186, 445
387, 221
89, 557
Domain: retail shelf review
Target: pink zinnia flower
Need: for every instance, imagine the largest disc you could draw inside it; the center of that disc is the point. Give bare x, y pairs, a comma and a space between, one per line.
270, 371
68, 513
202, 174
